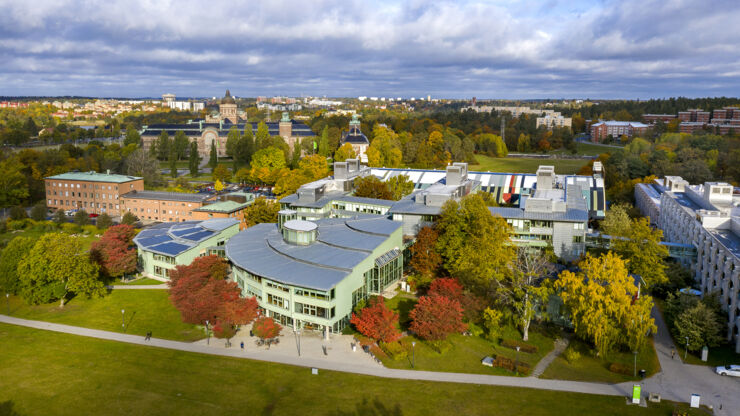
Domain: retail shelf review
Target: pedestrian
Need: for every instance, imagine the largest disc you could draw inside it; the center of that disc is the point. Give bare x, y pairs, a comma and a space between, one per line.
242, 345
673, 354
148, 336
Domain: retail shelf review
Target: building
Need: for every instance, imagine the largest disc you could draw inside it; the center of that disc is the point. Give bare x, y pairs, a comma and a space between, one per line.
168, 98
551, 121
653, 118
162, 247
706, 217
616, 129
215, 129
231, 205
93, 192
694, 115
163, 206
356, 139
311, 274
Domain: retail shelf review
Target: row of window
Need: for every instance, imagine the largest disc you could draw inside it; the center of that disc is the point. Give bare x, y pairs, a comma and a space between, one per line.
165, 259
157, 202
84, 186
156, 211
80, 204
82, 194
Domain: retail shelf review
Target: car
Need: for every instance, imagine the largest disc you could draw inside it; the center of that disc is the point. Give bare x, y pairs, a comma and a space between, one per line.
70, 212
93, 215
728, 370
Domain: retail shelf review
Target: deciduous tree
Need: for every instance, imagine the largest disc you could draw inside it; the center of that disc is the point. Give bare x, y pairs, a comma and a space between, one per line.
372, 187
194, 159
435, 317
377, 321
10, 257
400, 186
344, 152
221, 173
114, 252
266, 328
261, 211
424, 256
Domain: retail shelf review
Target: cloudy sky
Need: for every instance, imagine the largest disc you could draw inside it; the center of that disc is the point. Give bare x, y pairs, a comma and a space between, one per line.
488, 49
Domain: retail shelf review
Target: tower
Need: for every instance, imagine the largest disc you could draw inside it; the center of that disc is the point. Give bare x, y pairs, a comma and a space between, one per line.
227, 108
285, 128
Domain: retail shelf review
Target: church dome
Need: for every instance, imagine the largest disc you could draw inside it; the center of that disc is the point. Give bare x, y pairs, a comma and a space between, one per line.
228, 99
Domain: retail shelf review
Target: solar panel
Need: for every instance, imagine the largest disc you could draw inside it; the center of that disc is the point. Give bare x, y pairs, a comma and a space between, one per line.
150, 241
171, 248
185, 231
198, 236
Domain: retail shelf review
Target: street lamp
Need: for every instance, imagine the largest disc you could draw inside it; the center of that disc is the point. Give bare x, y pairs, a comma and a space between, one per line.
123, 320
208, 334
297, 332
687, 349
7, 302
635, 372
516, 359
413, 354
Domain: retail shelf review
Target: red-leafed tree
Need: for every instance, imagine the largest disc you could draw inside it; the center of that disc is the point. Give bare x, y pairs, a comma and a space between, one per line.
424, 256
447, 287
377, 321
435, 317
114, 252
201, 293
265, 328
223, 329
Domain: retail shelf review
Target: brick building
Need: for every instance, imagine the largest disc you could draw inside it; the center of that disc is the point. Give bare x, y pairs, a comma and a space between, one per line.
653, 118
93, 192
163, 206
604, 129
694, 115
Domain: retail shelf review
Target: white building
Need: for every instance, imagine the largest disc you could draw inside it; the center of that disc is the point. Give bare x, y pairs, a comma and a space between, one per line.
554, 120
707, 217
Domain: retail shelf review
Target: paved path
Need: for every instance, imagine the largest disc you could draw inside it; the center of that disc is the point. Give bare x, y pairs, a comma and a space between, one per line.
162, 286
560, 345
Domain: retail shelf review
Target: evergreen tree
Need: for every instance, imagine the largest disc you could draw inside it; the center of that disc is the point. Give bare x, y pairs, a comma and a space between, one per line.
132, 136
324, 142
163, 146
213, 160
173, 161
194, 159
180, 144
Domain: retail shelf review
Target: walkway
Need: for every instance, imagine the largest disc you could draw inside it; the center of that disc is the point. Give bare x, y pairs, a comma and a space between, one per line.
560, 345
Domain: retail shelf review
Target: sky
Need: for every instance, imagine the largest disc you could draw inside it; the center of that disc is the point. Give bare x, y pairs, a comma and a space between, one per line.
521, 49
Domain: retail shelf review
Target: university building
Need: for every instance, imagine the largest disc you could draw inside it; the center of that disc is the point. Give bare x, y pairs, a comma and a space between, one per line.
163, 206
95, 193
616, 129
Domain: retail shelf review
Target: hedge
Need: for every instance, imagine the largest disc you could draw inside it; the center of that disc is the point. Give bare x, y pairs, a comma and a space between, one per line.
510, 343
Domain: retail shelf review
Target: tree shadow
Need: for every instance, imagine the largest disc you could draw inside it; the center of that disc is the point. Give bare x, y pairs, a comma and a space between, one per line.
404, 308
130, 319
6, 409
374, 408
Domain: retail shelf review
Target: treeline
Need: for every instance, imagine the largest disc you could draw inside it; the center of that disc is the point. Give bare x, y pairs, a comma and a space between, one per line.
617, 110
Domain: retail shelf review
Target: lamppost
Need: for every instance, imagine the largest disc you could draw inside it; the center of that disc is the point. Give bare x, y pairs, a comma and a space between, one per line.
516, 360
297, 332
208, 334
687, 349
7, 302
413, 354
635, 371
123, 320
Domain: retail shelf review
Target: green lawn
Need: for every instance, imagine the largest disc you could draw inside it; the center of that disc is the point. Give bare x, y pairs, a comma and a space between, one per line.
591, 368
525, 165
466, 352
87, 239
137, 282
146, 310
47, 373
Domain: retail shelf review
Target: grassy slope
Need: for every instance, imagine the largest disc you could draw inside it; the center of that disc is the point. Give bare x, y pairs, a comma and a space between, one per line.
137, 282
49, 373
146, 310
526, 165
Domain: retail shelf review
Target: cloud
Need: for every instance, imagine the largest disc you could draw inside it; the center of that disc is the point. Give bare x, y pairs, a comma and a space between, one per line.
520, 49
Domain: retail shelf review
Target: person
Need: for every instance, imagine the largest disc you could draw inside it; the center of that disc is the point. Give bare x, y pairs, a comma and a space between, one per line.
148, 336
673, 354
242, 344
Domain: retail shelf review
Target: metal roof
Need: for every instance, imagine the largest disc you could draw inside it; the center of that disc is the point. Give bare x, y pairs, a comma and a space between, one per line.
174, 238
167, 196
94, 177
224, 206
340, 246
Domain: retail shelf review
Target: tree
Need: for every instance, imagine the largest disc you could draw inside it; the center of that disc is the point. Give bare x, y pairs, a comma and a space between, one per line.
400, 186
59, 217
221, 173
129, 218
213, 159
163, 145
132, 136
201, 293
261, 211
324, 142
266, 328
700, 325
474, 245
82, 218
603, 303
17, 213
262, 139
372, 187
173, 162
10, 257
104, 221
266, 164
245, 147
642, 246
524, 290
180, 144
424, 256
56, 266
448, 288
617, 221
435, 317
377, 321
114, 252
38, 212
385, 149
194, 159
523, 143
344, 152
232, 143
13, 184
492, 321
139, 163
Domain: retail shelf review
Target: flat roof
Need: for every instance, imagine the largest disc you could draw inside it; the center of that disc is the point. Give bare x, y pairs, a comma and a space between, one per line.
93, 176
167, 196
175, 238
224, 206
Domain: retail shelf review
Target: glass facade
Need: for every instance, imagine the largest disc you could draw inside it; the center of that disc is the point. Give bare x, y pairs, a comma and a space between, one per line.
378, 279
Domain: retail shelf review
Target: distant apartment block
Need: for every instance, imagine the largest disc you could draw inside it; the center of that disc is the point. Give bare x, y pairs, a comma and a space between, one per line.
604, 129
653, 118
554, 120
694, 115
96, 193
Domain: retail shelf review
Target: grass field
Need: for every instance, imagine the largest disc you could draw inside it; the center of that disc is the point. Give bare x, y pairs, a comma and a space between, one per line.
590, 368
525, 165
87, 239
145, 310
137, 282
466, 352
47, 373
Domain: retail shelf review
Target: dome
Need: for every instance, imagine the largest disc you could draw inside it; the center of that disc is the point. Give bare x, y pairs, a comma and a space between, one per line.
228, 99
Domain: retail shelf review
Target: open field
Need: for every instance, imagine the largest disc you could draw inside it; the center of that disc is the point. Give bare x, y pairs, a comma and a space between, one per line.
525, 165
145, 310
86, 238
47, 373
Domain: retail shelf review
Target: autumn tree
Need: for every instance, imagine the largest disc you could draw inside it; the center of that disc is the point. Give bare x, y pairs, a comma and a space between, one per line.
446, 287
267, 164
324, 142
523, 290
400, 186
10, 257
642, 246
114, 252
435, 317
56, 266
474, 245
377, 321
603, 303
385, 149
372, 187
266, 328
344, 152
261, 211
617, 220
425, 259
221, 173
129, 218
310, 168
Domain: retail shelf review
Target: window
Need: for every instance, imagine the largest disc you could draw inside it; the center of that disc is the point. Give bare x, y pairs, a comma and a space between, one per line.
579, 226
277, 301
577, 238
311, 310
278, 287
312, 294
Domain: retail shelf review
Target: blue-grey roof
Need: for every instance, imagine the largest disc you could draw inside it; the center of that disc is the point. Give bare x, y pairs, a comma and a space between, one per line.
407, 205
334, 196
342, 243
174, 238
168, 196
570, 214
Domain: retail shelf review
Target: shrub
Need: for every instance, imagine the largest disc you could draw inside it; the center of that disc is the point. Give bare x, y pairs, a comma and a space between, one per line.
363, 340
475, 330
441, 346
44, 226
90, 229
523, 347
621, 369
571, 355
395, 350
378, 352
508, 364
14, 225
70, 227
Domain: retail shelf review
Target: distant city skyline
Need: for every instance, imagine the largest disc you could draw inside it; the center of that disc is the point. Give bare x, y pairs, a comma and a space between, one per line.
489, 49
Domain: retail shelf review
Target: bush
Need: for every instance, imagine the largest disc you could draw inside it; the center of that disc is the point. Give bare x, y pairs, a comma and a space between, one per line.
90, 229
395, 350
14, 225
17, 213
70, 227
523, 347
475, 330
621, 369
571, 355
38, 212
378, 352
44, 226
441, 346
508, 364
363, 340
